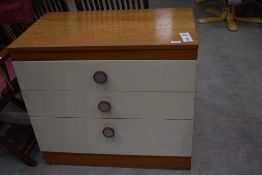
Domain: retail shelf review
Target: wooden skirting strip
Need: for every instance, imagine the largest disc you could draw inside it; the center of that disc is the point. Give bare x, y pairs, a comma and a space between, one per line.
106, 55
128, 161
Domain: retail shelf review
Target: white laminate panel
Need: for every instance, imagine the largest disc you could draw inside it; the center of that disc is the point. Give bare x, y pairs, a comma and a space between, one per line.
165, 105
174, 75
132, 136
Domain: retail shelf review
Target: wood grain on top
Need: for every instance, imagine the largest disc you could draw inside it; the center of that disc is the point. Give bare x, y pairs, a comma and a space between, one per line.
109, 30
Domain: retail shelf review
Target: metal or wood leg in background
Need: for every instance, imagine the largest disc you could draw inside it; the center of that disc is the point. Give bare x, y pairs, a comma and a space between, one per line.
200, 1
19, 153
228, 15
249, 19
231, 24
221, 16
214, 12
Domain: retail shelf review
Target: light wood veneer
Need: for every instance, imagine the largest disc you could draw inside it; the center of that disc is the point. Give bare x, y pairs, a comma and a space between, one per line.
109, 35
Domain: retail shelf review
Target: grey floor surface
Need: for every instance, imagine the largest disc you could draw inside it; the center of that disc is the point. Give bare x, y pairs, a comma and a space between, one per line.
228, 113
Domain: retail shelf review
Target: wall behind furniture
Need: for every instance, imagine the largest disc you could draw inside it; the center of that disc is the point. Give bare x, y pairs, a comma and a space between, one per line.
153, 3
248, 8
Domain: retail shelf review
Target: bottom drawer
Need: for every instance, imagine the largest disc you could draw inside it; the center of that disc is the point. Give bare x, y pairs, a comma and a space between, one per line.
131, 136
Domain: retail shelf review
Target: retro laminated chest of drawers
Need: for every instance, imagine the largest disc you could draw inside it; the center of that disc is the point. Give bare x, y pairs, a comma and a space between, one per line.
110, 88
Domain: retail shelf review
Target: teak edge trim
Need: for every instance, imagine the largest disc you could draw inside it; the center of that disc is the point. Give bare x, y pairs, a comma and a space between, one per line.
105, 48
105, 55
3, 52
108, 160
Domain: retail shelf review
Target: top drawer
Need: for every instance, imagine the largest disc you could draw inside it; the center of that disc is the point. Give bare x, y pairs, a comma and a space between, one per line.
175, 75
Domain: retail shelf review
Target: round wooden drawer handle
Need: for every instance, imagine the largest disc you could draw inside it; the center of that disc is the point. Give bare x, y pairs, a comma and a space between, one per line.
104, 106
108, 132
100, 77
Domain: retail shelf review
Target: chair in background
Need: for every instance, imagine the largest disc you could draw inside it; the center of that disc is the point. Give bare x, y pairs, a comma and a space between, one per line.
40, 7
229, 15
90, 5
8, 83
8, 89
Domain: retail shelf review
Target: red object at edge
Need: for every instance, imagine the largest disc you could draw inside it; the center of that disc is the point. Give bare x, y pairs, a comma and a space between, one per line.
16, 11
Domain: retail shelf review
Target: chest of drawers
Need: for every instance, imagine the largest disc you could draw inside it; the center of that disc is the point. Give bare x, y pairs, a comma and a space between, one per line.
110, 88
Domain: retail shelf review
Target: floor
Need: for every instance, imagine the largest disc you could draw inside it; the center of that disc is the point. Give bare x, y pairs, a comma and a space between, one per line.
228, 118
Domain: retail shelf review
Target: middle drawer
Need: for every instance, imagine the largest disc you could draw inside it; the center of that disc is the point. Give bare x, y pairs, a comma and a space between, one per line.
165, 105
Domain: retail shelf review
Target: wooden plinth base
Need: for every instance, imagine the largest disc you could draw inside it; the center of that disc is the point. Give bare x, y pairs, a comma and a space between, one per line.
128, 161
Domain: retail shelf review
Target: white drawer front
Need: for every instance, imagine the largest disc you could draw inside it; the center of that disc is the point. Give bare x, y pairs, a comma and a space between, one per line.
132, 136
175, 75
165, 105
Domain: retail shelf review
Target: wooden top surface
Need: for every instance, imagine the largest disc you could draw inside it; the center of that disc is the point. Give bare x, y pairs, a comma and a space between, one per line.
109, 30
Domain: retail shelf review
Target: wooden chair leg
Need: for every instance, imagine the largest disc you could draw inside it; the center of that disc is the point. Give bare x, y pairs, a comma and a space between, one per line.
200, 1
220, 17
232, 26
20, 154
210, 20
248, 19
214, 12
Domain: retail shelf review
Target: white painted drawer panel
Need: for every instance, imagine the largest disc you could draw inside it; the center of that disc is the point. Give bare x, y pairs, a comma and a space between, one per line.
167, 105
132, 136
174, 75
